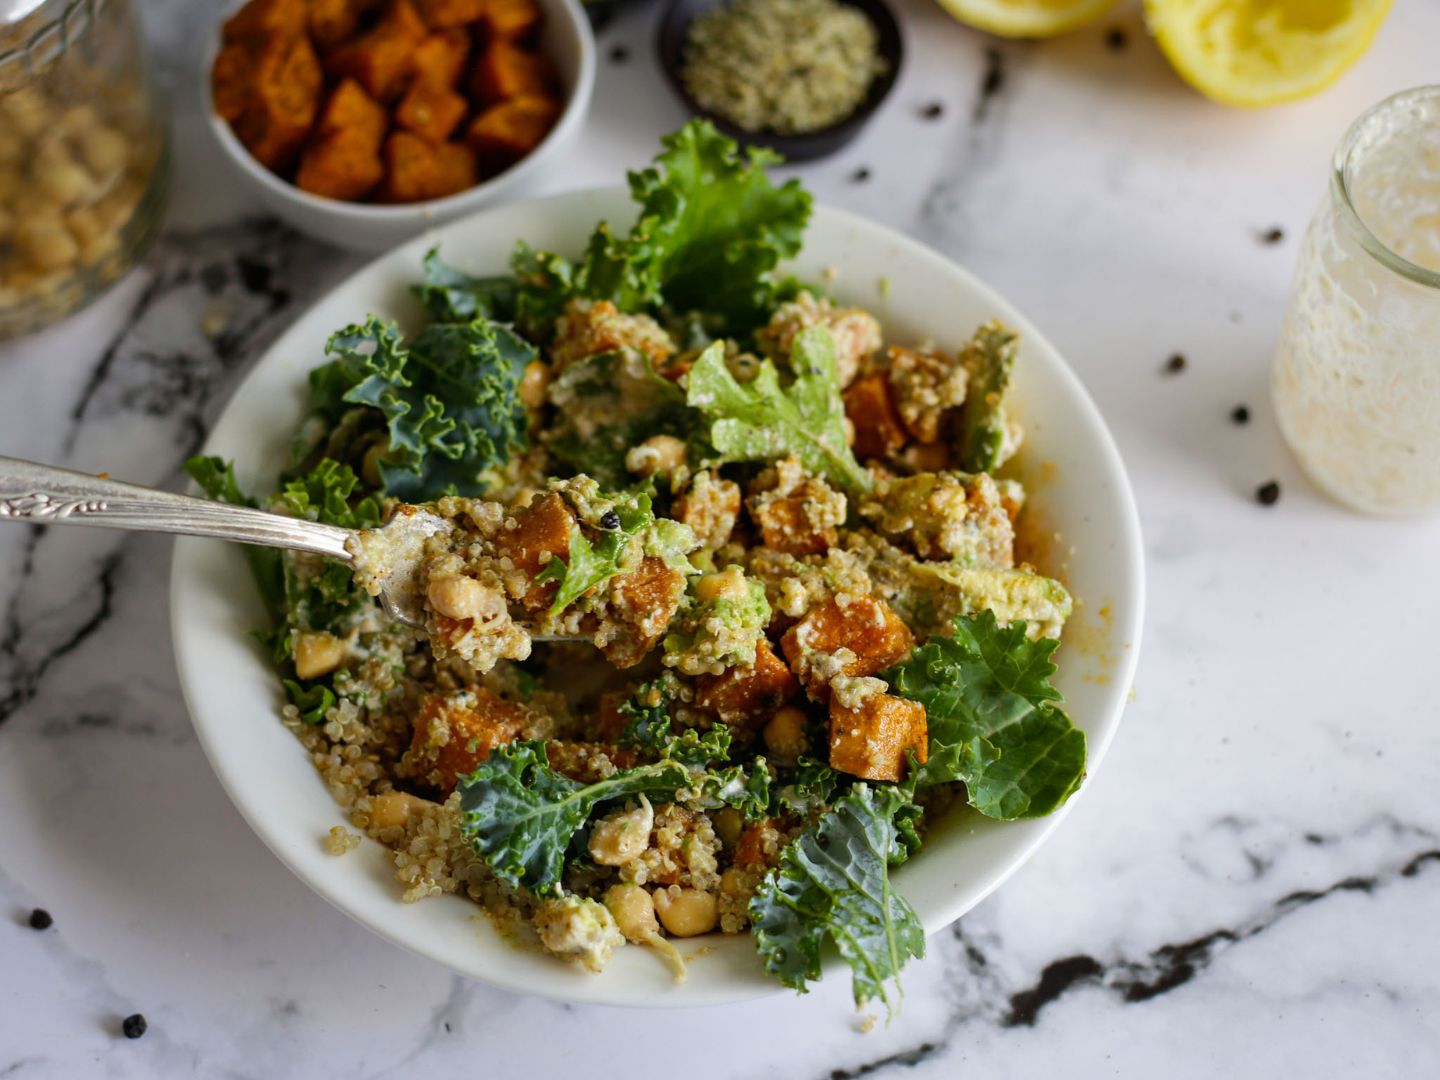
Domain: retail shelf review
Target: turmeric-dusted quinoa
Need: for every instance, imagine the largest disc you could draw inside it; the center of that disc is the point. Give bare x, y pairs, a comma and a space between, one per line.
779, 552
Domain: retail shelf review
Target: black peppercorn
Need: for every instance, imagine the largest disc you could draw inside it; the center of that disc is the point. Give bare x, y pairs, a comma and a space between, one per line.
1176, 363
1268, 494
619, 54
933, 111
1240, 415
860, 175
40, 919
610, 520
1272, 236
133, 1026
1116, 39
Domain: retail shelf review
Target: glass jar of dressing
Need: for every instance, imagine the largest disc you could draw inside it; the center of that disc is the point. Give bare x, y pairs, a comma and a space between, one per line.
82, 155
1356, 383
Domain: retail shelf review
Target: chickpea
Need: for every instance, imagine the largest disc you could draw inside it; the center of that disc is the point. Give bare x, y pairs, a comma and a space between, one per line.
460, 597
727, 584
103, 150
534, 383
12, 147
733, 883
393, 808
659, 453
622, 835
77, 118
26, 110
686, 912
103, 246
317, 653
633, 912
785, 734
727, 823
84, 225
45, 244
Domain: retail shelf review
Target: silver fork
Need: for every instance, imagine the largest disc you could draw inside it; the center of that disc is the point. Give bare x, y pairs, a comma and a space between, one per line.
46, 495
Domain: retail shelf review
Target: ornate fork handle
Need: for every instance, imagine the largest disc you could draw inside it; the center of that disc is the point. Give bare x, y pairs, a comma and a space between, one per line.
45, 495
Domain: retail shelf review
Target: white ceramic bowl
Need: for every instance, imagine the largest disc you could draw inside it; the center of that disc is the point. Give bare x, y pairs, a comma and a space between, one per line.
566, 39
234, 697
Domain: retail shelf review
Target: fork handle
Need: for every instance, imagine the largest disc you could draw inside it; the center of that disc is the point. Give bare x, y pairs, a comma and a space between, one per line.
46, 495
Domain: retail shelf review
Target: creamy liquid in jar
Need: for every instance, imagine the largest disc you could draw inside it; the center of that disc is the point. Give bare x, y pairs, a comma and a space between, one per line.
1356, 382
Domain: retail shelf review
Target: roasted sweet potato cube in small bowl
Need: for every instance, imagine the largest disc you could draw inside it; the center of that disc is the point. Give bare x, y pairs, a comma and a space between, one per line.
430, 111
285, 149
504, 133
873, 738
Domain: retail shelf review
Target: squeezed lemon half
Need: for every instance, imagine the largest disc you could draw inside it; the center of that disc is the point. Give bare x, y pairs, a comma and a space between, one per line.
1262, 52
1027, 18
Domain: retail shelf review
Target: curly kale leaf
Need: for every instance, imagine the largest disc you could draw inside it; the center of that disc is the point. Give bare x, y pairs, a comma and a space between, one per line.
762, 420
710, 232
809, 785
521, 815
313, 701
449, 397
453, 296
834, 882
993, 718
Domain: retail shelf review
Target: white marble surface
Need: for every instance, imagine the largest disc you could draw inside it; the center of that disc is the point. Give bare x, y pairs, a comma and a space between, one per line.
1249, 885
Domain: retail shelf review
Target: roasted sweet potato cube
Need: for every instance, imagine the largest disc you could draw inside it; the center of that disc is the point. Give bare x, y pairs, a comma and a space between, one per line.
513, 20
642, 603
442, 14
381, 59
871, 740
350, 108
873, 635
609, 721
333, 22
455, 732
870, 405
505, 70
284, 99
541, 532
231, 82
787, 525
759, 845
747, 696
341, 164
430, 110
440, 59
505, 132
416, 168
261, 21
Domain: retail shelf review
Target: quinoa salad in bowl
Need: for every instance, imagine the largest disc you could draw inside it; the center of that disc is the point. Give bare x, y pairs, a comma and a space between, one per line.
727, 600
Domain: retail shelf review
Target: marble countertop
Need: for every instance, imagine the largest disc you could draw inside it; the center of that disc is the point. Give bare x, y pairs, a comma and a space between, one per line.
1248, 886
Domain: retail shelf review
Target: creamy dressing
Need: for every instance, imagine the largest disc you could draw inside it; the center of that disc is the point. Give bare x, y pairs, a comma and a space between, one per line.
1356, 383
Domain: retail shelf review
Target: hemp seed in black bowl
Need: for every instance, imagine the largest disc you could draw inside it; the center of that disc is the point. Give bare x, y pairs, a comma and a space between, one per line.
801, 77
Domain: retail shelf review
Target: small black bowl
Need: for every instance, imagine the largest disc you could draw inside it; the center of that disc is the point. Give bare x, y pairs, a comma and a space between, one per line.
675, 31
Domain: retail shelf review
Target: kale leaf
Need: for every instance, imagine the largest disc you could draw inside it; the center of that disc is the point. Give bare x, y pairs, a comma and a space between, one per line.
834, 882
762, 421
313, 701
710, 232
993, 718
450, 398
521, 814
453, 296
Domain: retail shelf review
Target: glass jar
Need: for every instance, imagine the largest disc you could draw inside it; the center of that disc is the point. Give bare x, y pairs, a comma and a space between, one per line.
83, 155
1356, 382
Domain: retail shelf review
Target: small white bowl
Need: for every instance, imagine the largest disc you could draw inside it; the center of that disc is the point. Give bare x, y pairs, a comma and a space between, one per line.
566, 40
1078, 488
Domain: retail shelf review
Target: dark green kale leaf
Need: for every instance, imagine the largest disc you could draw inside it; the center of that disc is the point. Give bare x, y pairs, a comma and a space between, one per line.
710, 232
450, 397
763, 421
833, 883
521, 815
993, 718
313, 701
453, 296
809, 785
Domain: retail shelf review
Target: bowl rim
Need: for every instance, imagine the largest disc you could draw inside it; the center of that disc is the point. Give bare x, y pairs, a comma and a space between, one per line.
796, 146
577, 104
1129, 583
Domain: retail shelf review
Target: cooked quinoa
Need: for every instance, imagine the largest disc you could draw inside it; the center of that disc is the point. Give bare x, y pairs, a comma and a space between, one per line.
788, 66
